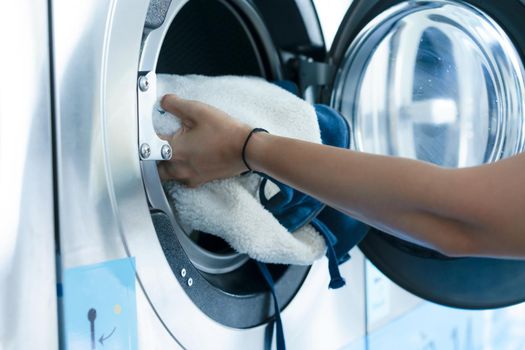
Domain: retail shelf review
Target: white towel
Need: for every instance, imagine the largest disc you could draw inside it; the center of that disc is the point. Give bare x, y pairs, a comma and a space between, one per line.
230, 208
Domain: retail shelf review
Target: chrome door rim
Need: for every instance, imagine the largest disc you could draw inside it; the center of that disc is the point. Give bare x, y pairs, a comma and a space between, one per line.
205, 260
502, 63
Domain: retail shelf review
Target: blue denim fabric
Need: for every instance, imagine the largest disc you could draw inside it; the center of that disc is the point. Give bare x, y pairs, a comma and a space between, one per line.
294, 209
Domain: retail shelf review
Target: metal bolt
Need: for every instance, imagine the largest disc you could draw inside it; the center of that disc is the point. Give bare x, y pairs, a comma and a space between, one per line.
143, 83
183, 272
165, 151
190, 282
145, 151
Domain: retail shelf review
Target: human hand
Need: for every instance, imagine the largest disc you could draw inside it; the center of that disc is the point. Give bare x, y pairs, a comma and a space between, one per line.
207, 146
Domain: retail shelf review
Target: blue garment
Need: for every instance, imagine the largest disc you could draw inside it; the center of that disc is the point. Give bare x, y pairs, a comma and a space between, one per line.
294, 209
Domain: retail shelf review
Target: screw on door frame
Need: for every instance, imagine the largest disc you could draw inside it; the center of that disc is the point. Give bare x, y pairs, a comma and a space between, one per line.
143, 83
145, 151
165, 151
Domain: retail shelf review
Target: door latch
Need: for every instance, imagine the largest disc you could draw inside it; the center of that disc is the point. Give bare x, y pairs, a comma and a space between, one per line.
150, 145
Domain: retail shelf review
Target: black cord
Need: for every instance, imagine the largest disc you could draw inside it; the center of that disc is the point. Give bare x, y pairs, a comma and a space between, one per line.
246, 144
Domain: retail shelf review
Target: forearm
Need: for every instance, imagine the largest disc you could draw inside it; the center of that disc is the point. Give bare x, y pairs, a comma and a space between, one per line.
407, 198
471, 211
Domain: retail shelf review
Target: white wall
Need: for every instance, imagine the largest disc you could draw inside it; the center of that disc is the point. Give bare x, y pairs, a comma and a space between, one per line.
331, 12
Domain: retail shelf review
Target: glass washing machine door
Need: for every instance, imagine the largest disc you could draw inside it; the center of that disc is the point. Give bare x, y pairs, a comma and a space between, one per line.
439, 81
442, 82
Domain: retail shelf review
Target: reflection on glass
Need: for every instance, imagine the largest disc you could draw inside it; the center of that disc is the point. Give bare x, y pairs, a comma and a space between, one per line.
437, 81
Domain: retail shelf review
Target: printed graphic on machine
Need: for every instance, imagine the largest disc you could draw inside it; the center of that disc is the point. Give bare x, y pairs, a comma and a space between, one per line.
99, 306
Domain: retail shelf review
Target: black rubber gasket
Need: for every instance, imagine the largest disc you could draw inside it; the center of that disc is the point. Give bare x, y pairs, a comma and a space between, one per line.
243, 299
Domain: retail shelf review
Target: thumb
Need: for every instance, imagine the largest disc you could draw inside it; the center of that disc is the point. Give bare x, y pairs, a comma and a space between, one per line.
186, 110
164, 171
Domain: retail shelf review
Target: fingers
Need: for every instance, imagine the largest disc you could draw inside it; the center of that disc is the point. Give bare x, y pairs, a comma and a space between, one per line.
186, 110
164, 171
169, 171
164, 137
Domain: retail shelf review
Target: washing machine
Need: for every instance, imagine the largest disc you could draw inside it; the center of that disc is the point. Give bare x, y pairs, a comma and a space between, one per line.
440, 81
119, 240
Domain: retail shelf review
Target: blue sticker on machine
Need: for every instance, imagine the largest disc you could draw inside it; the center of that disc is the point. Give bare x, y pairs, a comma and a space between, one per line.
99, 306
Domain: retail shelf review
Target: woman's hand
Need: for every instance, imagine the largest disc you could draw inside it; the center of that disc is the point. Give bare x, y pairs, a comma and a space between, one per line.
208, 145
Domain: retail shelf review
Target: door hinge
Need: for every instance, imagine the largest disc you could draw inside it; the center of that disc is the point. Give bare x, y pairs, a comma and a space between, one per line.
312, 73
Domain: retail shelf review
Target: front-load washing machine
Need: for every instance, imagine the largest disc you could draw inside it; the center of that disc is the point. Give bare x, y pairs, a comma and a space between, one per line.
192, 291
440, 81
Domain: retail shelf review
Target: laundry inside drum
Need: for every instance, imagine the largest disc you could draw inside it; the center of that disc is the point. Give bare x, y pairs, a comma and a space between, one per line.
216, 38
198, 43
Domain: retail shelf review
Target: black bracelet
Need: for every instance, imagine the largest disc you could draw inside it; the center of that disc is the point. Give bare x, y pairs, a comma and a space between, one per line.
246, 144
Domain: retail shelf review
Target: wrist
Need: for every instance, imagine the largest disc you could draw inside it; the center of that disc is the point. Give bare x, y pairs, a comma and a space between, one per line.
254, 151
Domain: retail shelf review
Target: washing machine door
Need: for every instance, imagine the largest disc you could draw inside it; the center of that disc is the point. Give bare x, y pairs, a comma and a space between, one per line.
443, 82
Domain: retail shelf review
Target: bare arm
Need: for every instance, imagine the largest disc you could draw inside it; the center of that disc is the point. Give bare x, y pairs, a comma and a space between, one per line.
475, 211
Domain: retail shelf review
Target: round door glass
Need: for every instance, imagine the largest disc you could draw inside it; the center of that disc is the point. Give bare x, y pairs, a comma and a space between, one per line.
437, 81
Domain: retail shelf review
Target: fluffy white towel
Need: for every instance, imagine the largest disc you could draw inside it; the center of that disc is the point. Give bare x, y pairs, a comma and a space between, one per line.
230, 208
